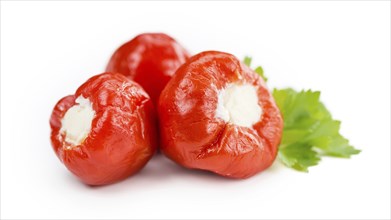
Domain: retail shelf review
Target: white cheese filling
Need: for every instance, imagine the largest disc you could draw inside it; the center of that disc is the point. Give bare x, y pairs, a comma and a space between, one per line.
238, 104
76, 123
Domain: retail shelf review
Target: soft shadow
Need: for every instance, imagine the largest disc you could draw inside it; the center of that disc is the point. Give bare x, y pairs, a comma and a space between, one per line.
275, 167
160, 170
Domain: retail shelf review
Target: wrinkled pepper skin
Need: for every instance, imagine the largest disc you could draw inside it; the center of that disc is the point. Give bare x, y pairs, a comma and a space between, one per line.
150, 59
191, 134
122, 137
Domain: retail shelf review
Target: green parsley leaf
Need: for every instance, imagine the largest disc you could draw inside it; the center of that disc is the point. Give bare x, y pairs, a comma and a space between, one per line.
299, 156
247, 60
309, 131
259, 70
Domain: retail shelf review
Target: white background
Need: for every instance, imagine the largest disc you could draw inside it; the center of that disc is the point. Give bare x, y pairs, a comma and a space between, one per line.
340, 48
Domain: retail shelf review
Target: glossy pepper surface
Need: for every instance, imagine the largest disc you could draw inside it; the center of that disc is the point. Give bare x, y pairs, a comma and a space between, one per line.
122, 137
150, 59
194, 137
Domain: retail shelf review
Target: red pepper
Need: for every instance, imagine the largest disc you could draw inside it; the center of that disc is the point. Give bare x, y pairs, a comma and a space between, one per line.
196, 135
149, 59
122, 137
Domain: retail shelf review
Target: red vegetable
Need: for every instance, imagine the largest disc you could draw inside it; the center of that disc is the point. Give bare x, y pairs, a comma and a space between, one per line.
216, 114
149, 59
122, 136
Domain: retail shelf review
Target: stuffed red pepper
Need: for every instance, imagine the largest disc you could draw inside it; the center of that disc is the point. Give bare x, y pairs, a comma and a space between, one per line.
105, 131
150, 59
217, 114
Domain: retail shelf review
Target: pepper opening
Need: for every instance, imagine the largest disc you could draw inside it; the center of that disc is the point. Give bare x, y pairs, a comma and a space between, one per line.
76, 123
238, 104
